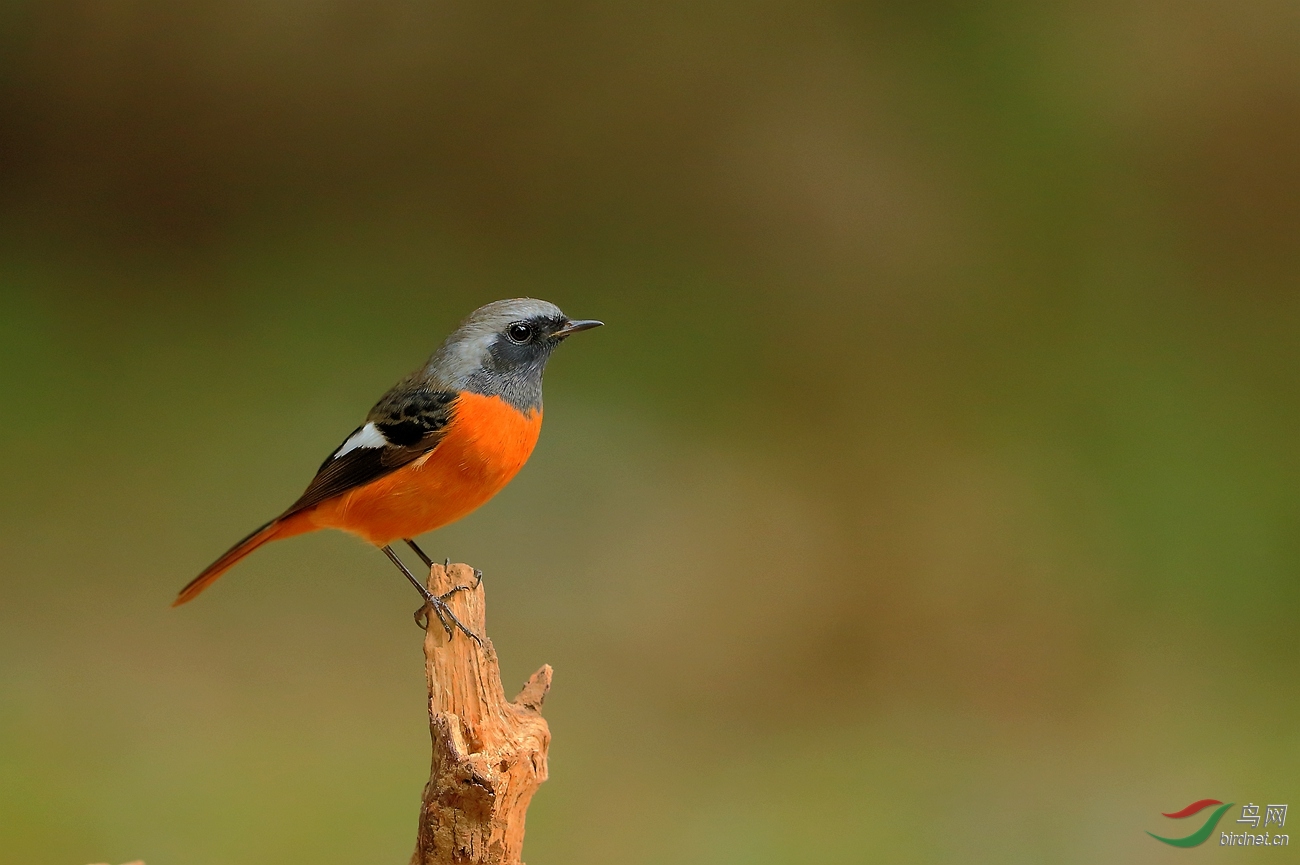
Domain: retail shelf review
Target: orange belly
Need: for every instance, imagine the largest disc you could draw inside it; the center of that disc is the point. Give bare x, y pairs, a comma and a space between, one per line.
486, 444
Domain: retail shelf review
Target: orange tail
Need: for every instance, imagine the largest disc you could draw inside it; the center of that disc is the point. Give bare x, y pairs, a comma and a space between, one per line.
276, 528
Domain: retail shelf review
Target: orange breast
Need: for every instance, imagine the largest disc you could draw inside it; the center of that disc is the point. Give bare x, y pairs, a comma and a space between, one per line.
486, 444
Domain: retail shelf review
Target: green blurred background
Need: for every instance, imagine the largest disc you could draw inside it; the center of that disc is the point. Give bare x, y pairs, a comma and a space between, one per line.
931, 495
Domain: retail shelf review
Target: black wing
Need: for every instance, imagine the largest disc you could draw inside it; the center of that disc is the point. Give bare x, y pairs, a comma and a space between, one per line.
404, 426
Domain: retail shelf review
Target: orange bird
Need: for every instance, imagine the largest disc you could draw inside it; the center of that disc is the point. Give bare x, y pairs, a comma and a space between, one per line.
443, 441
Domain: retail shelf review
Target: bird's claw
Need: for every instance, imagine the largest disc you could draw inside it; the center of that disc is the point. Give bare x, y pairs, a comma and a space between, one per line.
446, 618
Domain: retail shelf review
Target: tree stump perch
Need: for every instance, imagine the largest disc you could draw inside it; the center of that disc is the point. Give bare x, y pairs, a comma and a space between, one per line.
489, 754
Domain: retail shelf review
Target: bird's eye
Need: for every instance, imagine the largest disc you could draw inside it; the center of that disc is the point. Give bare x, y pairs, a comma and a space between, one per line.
520, 332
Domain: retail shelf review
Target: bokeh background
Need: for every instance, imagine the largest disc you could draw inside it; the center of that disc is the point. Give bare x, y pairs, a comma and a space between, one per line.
931, 495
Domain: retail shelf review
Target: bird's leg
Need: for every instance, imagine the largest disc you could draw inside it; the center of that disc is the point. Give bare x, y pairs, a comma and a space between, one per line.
437, 603
430, 600
446, 564
428, 562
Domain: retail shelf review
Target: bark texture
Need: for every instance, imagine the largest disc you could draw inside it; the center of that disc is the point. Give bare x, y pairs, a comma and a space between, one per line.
489, 754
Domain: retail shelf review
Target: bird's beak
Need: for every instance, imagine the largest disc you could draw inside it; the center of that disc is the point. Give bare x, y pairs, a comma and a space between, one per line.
575, 326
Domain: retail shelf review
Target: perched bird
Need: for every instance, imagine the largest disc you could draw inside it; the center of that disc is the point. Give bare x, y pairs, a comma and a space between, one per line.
443, 441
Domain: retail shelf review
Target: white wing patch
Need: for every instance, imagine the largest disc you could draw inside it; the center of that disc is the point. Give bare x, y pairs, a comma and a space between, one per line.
367, 437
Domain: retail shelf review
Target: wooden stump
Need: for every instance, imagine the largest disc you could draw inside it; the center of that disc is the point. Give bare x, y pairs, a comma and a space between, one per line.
489, 755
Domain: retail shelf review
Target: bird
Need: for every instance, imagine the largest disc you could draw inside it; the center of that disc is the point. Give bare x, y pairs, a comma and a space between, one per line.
436, 446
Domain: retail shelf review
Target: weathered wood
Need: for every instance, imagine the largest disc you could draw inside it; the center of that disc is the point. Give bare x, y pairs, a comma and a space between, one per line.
489, 754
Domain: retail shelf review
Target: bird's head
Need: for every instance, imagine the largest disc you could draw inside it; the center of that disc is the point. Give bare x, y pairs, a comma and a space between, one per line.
501, 350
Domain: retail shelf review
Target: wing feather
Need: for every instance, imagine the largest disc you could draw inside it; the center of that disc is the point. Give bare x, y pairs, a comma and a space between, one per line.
410, 422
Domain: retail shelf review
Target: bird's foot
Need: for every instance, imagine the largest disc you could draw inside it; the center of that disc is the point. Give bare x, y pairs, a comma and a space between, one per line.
478, 581
478, 578
446, 566
436, 603
446, 618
